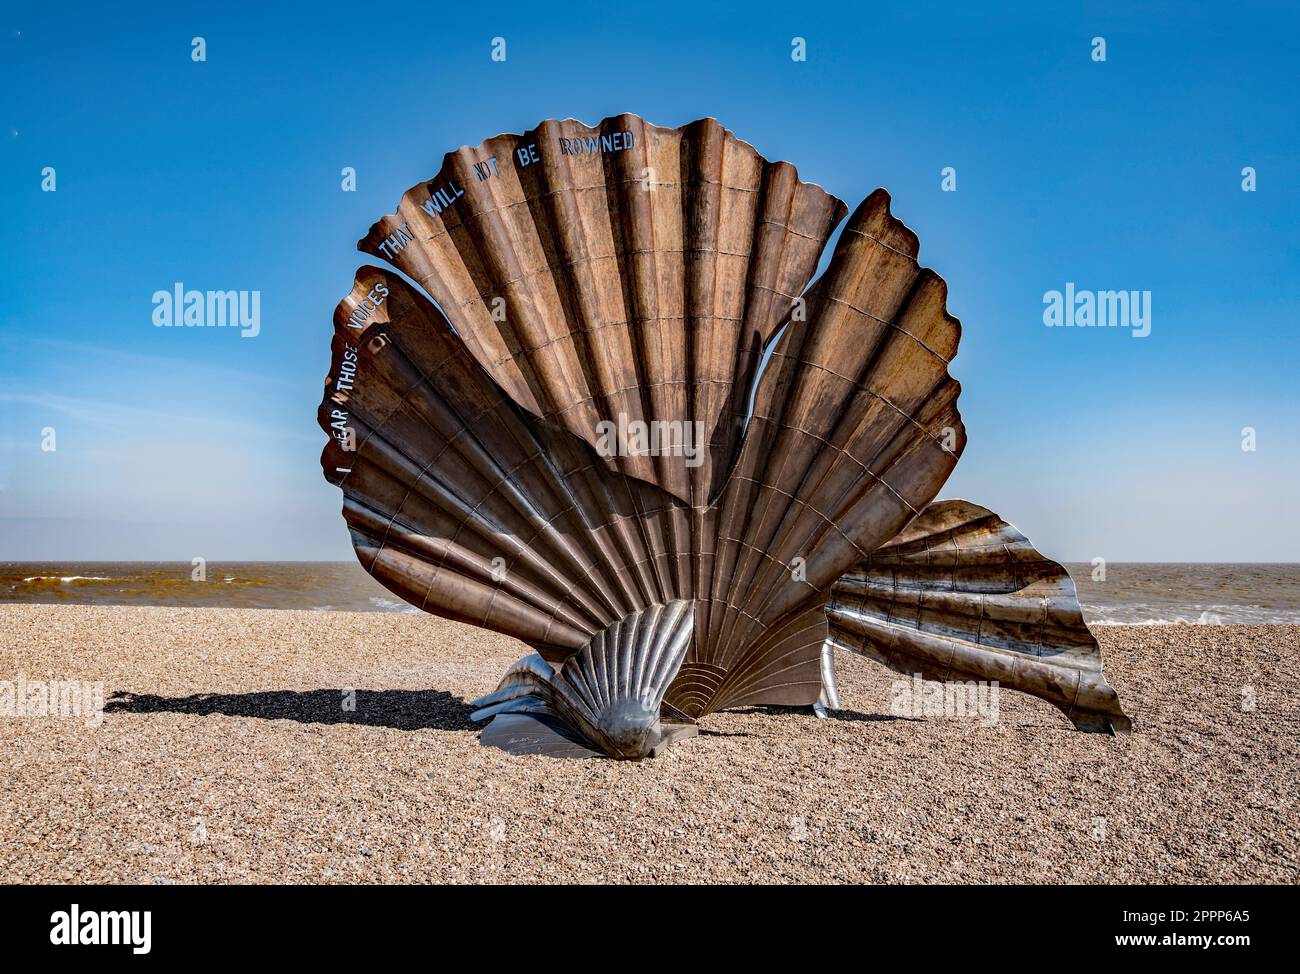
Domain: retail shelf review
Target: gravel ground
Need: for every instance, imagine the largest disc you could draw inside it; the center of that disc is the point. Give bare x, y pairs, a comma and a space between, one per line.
225, 755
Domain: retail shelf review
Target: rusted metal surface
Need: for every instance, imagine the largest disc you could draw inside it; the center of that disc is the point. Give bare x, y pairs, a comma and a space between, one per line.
639, 282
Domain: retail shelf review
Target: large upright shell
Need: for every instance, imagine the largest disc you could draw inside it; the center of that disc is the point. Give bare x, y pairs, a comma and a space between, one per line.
622, 270
466, 456
466, 506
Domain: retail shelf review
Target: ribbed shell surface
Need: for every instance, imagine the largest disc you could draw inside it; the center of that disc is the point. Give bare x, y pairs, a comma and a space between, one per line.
465, 448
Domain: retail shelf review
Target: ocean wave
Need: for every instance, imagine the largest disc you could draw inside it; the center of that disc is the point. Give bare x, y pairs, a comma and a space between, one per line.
66, 579
392, 605
1218, 616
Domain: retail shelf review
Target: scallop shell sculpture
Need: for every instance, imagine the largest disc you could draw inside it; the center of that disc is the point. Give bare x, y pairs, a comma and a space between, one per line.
624, 428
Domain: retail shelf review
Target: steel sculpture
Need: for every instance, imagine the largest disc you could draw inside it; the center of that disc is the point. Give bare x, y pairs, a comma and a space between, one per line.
629, 432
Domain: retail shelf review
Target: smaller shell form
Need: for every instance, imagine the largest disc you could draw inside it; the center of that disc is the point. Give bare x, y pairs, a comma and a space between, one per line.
960, 594
611, 691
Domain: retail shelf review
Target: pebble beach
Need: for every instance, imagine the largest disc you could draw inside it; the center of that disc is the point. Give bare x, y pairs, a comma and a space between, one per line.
274, 746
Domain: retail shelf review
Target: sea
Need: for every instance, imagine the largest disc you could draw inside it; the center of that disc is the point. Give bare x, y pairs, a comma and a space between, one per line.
1131, 593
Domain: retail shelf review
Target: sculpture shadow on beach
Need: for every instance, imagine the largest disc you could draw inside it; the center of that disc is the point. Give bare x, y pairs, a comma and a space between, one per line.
776, 710
398, 709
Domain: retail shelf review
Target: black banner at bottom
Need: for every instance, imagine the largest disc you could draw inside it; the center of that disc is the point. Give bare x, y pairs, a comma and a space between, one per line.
141, 923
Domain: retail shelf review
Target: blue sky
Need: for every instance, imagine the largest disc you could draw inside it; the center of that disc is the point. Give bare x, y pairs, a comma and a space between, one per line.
175, 443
